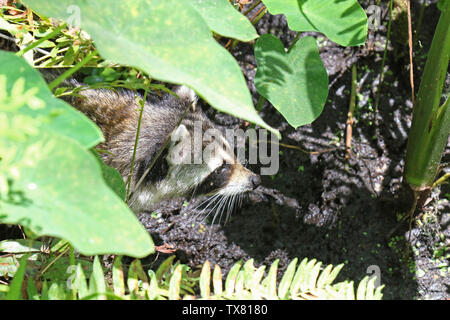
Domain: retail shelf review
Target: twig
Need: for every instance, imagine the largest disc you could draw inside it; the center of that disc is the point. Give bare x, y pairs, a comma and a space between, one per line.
350, 119
253, 6
290, 146
228, 44
258, 15
411, 71
53, 261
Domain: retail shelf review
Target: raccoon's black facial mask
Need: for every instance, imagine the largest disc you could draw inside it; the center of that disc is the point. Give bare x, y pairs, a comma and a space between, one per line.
217, 179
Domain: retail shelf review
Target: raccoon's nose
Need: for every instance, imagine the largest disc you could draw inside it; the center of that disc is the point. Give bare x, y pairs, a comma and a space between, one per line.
255, 180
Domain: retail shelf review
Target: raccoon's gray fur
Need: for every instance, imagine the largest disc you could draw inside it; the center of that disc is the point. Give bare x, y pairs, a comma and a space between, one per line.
117, 114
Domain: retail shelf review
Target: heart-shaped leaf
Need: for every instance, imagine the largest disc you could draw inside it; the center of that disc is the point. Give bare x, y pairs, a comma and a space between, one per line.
342, 21
49, 181
225, 20
168, 39
61, 193
296, 83
25, 86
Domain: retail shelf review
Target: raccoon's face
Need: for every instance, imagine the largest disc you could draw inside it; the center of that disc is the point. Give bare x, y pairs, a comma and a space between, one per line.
199, 160
200, 153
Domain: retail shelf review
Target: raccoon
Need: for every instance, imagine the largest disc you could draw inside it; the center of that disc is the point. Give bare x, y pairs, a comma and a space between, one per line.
169, 161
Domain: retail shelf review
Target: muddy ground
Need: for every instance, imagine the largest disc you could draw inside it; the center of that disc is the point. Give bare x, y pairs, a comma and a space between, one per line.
322, 205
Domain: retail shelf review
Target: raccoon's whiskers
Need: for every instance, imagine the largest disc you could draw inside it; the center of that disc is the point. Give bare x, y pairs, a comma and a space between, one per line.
193, 192
225, 205
241, 197
220, 207
201, 203
231, 208
213, 209
214, 200
208, 199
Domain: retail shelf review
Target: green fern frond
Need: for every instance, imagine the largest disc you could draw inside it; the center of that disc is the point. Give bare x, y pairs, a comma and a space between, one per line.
307, 282
174, 281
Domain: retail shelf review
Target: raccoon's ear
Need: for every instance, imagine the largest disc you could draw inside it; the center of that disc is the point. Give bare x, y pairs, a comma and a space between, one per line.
187, 94
180, 150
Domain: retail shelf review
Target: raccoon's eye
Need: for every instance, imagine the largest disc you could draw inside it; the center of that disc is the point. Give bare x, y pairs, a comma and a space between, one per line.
222, 169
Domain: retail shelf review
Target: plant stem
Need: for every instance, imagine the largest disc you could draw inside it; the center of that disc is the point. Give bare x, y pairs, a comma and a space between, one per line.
253, 6
41, 40
165, 145
419, 22
297, 36
260, 103
133, 159
377, 97
71, 71
53, 261
47, 55
410, 41
232, 43
351, 111
431, 123
261, 12
442, 179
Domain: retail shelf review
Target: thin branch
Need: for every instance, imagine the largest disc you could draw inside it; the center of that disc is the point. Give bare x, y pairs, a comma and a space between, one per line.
411, 70
253, 6
351, 111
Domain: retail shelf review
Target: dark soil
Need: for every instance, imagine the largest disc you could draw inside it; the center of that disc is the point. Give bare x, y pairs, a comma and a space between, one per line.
322, 205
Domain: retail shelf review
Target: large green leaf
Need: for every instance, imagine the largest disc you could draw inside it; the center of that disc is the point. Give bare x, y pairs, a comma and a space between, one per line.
112, 177
15, 288
49, 181
60, 192
31, 91
224, 19
168, 39
296, 83
342, 21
